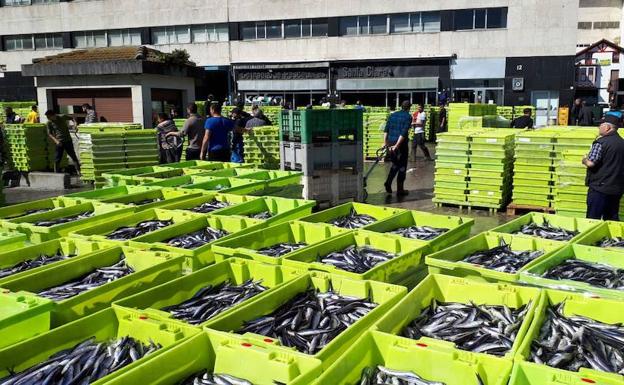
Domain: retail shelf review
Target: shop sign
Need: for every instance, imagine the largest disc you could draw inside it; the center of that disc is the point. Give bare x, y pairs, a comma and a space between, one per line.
604, 62
280, 75
365, 72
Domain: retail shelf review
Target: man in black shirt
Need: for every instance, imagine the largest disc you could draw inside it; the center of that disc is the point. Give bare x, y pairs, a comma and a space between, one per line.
524, 121
443, 119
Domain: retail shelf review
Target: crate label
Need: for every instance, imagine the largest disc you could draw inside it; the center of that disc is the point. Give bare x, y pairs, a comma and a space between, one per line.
457, 172
524, 140
491, 141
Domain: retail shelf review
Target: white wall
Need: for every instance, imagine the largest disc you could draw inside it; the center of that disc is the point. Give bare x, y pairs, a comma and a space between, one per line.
597, 11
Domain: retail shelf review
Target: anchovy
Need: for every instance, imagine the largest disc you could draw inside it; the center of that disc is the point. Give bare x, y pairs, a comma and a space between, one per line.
261, 215
353, 220
595, 274
142, 228
59, 221
357, 260
211, 301
547, 231
382, 375
575, 342
85, 363
98, 277
206, 378
503, 258
611, 242
209, 207
310, 320
471, 327
424, 233
147, 201
33, 263
197, 238
29, 212
281, 249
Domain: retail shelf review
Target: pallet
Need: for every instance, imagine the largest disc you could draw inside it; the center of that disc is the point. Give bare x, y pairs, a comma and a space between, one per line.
468, 206
513, 209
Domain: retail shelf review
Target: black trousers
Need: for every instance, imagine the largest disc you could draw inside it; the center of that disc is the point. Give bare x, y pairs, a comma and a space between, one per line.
193, 154
220, 155
169, 155
61, 149
398, 170
419, 142
603, 206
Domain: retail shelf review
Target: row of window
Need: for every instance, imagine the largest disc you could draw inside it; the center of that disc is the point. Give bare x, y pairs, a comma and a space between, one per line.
280, 29
30, 42
14, 3
384, 24
599, 25
185, 34
112, 38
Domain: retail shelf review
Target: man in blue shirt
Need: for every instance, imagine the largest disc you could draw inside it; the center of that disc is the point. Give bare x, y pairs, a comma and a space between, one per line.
216, 143
396, 139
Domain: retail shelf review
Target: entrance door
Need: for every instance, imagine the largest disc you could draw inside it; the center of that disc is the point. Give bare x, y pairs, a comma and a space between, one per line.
547, 107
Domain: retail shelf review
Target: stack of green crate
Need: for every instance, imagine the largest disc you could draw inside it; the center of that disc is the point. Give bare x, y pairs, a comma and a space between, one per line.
374, 123
433, 123
141, 148
262, 147
456, 111
491, 168
29, 146
505, 111
100, 152
533, 168
451, 171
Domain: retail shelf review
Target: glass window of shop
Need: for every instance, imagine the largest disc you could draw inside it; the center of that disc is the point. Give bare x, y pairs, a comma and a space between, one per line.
479, 90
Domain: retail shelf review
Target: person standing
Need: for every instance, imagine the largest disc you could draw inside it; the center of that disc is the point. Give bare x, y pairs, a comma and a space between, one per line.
605, 173
33, 115
193, 129
169, 144
575, 111
586, 116
240, 118
359, 106
58, 132
418, 122
257, 120
216, 144
617, 114
524, 121
396, 139
91, 115
10, 116
442, 117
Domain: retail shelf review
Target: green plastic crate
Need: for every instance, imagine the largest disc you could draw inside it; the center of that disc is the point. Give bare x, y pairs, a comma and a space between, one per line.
377, 212
247, 245
239, 186
520, 188
19, 210
570, 224
178, 181
449, 261
600, 309
150, 268
104, 326
237, 271
281, 209
22, 316
409, 255
529, 167
526, 373
434, 363
165, 195
274, 178
609, 229
11, 240
385, 295
443, 288
216, 353
533, 275
125, 176
459, 227
190, 203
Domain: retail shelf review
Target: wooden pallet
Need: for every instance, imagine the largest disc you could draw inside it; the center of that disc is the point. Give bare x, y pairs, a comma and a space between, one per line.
468, 206
516, 209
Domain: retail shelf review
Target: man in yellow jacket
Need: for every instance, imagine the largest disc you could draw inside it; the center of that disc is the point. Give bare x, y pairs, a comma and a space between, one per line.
33, 115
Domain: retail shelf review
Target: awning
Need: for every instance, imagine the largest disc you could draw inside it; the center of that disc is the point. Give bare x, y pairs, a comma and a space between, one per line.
425, 83
283, 85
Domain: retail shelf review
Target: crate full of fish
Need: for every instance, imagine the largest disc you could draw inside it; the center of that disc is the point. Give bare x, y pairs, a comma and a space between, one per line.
273, 210
276, 178
548, 226
240, 186
460, 313
33, 207
573, 337
320, 314
205, 296
580, 268
195, 238
380, 358
93, 281
134, 225
179, 181
153, 198
48, 225
362, 255
354, 215
439, 231
126, 176
272, 244
491, 257
92, 350
211, 358
608, 234
22, 316
208, 203
108, 194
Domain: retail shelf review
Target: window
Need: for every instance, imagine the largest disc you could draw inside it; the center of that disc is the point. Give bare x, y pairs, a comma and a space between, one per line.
49, 41
123, 37
464, 19
585, 25
482, 18
90, 39
400, 23
172, 35
12, 3
416, 22
248, 31
209, 32
430, 21
606, 25
274, 30
349, 26
319, 27
292, 28
378, 24
32, 42
496, 18
18, 43
363, 25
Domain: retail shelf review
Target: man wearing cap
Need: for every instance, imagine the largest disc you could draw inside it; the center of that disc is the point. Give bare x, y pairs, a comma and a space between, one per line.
605, 172
396, 140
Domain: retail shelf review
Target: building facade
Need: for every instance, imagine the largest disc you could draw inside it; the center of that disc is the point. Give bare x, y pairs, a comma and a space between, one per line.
598, 20
502, 51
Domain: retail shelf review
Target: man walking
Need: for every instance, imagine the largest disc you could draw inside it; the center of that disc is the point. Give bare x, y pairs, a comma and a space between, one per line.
418, 122
58, 131
216, 138
605, 173
443, 119
194, 130
575, 112
396, 138
586, 116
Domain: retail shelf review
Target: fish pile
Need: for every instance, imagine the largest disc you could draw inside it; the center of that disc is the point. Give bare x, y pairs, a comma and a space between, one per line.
310, 320
197, 238
502, 258
85, 363
611, 242
60, 221
382, 375
211, 301
142, 228
424, 233
475, 328
30, 264
595, 274
356, 259
205, 378
261, 215
281, 249
209, 207
571, 343
99, 277
353, 220
547, 231
29, 212
147, 201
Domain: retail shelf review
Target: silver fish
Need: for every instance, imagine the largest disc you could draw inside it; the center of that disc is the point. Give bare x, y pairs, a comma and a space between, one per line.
142, 228
547, 231
357, 260
30, 264
353, 220
209, 207
502, 258
595, 274
424, 233
382, 375
197, 238
60, 221
281, 249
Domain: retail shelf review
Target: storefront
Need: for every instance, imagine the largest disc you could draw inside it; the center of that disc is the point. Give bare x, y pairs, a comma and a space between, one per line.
478, 80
